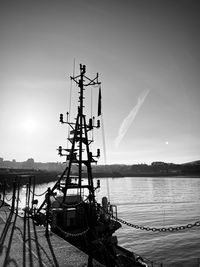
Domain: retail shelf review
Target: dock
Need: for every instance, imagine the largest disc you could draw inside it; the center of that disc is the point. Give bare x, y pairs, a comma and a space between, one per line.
22, 243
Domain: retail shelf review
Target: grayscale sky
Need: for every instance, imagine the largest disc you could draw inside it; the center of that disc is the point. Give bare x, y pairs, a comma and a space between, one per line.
146, 53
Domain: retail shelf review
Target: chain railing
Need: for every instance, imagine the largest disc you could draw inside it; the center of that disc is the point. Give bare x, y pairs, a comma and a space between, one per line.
38, 195
155, 229
66, 234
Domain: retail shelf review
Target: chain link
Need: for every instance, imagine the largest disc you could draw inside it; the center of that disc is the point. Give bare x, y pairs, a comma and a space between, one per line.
8, 198
154, 229
39, 195
66, 234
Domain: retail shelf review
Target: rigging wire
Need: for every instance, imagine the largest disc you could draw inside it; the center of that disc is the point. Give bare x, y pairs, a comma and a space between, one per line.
91, 111
70, 101
105, 158
91, 102
68, 117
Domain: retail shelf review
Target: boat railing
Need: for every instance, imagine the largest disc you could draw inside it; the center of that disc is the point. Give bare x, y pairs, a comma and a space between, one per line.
194, 262
148, 262
113, 210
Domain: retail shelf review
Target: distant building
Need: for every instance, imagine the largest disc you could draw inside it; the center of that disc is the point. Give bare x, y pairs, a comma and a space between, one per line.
29, 164
1, 162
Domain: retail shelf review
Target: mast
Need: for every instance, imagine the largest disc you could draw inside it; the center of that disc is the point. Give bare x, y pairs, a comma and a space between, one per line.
80, 154
82, 72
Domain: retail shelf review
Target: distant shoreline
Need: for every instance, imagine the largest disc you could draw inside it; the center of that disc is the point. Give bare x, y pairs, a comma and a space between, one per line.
151, 176
42, 177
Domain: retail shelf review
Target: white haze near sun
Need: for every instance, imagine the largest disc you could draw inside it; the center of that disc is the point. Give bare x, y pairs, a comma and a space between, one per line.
29, 124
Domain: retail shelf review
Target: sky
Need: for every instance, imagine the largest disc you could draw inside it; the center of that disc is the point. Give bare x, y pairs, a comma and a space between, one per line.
147, 55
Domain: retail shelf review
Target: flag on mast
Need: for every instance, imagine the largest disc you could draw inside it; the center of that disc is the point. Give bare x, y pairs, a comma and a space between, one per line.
99, 103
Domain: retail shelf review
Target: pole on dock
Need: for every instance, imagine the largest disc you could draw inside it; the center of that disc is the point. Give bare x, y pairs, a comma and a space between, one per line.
33, 196
4, 193
47, 213
4, 190
13, 197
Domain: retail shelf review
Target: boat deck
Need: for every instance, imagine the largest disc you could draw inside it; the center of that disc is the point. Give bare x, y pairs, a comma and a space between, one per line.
24, 244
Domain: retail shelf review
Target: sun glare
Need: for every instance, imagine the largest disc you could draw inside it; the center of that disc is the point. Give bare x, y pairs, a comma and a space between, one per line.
29, 125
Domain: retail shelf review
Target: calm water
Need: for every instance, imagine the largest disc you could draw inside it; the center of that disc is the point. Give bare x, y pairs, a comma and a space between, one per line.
156, 202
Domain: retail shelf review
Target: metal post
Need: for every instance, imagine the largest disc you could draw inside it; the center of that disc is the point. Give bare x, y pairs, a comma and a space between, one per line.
47, 212
82, 72
13, 197
29, 193
24, 232
33, 195
4, 190
4, 193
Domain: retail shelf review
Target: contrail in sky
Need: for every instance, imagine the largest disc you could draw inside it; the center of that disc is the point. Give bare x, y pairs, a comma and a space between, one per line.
131, 116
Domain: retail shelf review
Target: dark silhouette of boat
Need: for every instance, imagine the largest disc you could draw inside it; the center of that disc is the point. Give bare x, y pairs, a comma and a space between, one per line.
70, 208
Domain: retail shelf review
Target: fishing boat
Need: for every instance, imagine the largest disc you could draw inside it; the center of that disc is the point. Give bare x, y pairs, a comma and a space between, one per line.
70, 208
